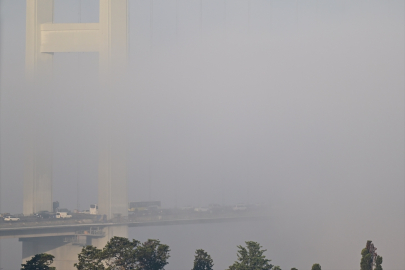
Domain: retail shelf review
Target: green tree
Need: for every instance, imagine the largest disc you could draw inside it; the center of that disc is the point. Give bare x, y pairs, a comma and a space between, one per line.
294, 268
202, 261
366, 262
120, 253
39, 262
152, 255
276, 268
90, 258
378, 263
316, 266
251, 258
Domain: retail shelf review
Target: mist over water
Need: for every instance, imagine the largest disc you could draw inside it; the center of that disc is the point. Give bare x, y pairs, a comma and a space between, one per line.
299, 106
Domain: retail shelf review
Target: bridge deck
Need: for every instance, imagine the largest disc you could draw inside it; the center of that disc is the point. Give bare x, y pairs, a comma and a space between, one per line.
40, 230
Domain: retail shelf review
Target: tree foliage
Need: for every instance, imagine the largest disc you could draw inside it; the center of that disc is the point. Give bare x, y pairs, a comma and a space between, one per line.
276, 268
39, 262
378, 263
251, 258
316, 266
366, 262
90, 258
120, 253
202, 261
123, 254
294, 268
152, 255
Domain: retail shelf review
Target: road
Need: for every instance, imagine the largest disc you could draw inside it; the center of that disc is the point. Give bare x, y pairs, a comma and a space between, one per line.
55, 227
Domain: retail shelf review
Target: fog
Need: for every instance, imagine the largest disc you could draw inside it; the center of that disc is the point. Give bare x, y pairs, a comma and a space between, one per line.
296, 105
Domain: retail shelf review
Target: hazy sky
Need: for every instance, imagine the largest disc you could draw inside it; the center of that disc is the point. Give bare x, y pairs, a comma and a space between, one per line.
299, 104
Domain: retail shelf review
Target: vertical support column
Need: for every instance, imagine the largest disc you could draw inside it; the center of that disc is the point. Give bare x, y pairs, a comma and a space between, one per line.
37, 63
113, 52
110, 232
112, 187
112, 183
38, 167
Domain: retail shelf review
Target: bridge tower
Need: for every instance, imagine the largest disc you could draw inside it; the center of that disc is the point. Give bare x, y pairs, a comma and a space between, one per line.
108, 37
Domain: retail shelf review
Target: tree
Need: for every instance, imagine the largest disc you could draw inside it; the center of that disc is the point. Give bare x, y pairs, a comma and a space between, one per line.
152, 255
120, 253
294, 268
378, 263
90, 258
316, 266
39, 262
366, 262
202, 261
276, 268
251, 258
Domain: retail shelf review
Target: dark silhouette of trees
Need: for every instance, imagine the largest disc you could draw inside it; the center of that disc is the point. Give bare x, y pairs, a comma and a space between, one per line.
378, 263
251, 258
39, 262
121, 253
366, 260
90, 258
316, 266
152, 255
202, 261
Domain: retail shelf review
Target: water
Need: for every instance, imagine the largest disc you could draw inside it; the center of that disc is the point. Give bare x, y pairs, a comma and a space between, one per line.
292, 240
219, 240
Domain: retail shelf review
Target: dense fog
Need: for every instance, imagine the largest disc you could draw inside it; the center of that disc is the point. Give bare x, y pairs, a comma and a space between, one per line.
298, 105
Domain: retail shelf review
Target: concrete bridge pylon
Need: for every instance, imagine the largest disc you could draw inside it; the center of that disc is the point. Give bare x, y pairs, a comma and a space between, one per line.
109, 38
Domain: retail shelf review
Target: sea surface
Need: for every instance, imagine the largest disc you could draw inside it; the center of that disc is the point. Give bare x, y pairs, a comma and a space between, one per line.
298, 240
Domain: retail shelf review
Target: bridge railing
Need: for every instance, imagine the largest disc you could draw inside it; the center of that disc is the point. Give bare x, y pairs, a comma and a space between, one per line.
93, 232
